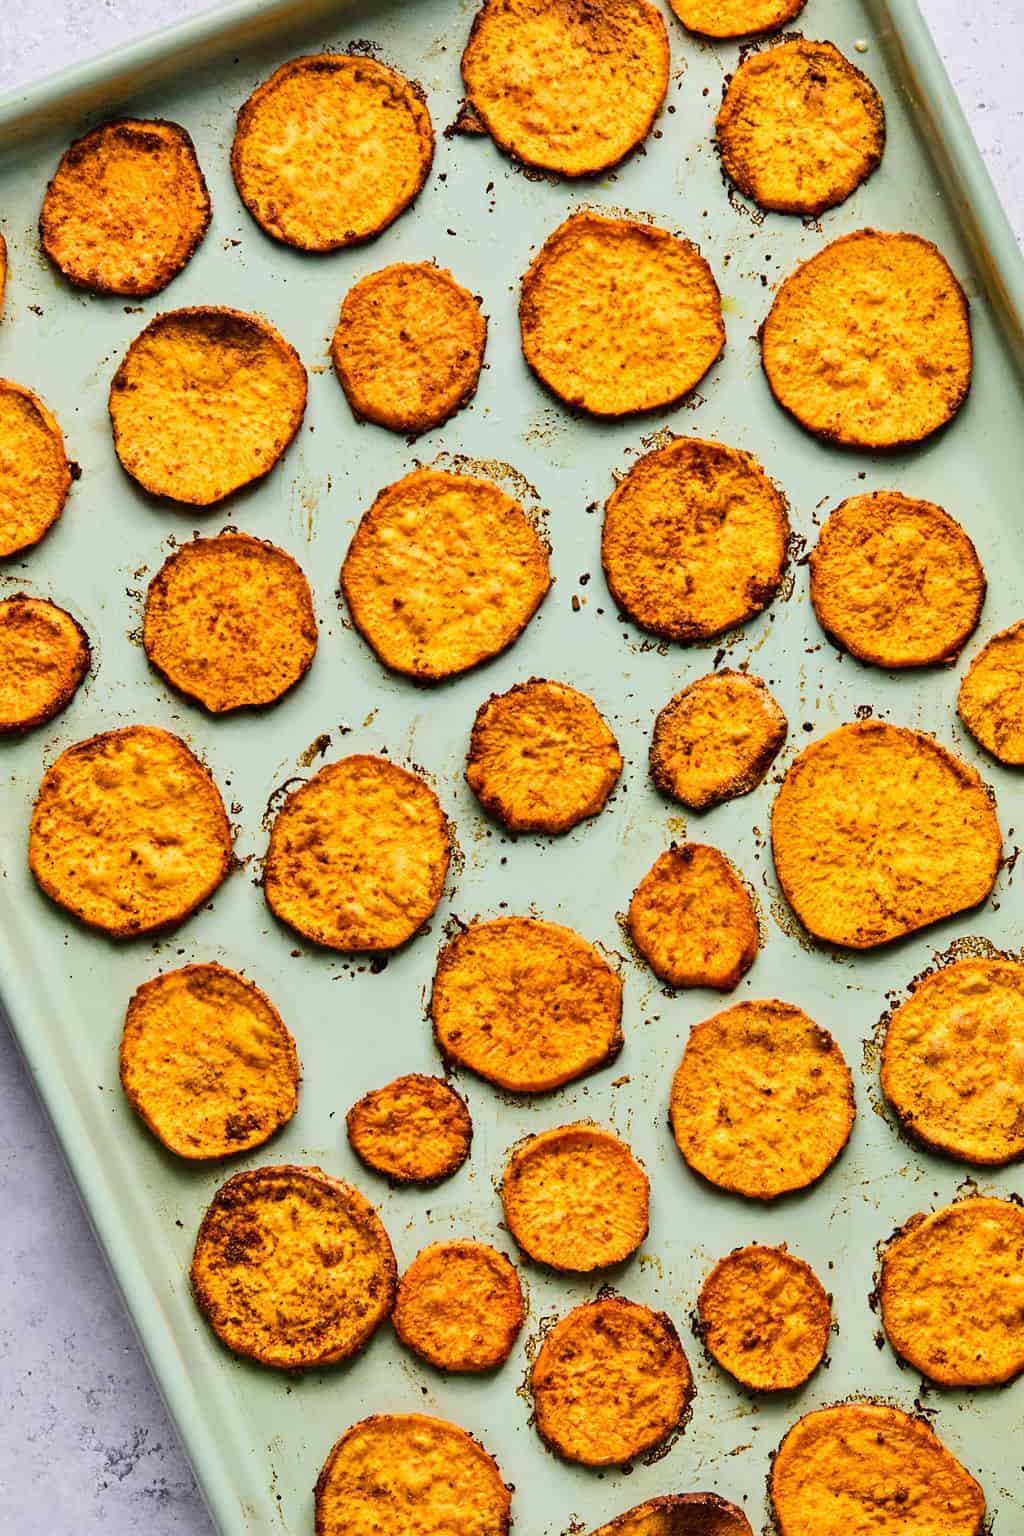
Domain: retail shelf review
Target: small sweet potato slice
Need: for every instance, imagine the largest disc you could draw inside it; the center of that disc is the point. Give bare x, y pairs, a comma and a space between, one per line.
460, 1306
415, 1130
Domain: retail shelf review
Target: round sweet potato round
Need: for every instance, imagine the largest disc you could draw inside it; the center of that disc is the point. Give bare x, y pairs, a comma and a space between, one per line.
991, 698
680, 1514
460, 1306
35, 475
716, 739
330, 150
415, 1130
692, 919
765, 1317
44, 657
735, 18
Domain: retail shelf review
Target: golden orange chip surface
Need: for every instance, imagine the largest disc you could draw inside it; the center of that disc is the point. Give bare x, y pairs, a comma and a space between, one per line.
525, 1004
127, 207
34, 472
868, 343
680, 1514
735, 18
409, 346
800, 127
618, 316
610, 1381
358, 855
765, 1317
762, 1101
896, 581
575, 1198
541, 757
866, 1469
207, 1063
716, 739
570, 88
444, 571
878, 831
460, 1306
952, 1293
292, 1268
692, 919
694, 540
44, 656
415, 1130
405, 1472
229, 622
330, 150
991, 698
205, 401
953, 1060
129, 832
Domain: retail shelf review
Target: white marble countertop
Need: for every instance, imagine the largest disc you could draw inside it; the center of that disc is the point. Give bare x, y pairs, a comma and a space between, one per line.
87, 1443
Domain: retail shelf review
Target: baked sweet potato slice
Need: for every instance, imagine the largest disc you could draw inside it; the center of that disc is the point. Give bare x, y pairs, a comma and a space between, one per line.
415, 1130
721, 19
692, 919
460, 1306
44, 657
991, 698
716, 739
680, 1514
765, 1317
35, 475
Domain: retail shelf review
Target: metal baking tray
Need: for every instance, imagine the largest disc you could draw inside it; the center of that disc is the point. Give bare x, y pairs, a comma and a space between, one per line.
258, 1438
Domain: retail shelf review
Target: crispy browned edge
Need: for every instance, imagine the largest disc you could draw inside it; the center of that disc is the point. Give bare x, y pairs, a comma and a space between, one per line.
157, 588
883, 1287
447, 958
876, 111
325, 1471
689, 1392
454, 1164
686, 851
323, 63
835, 438
67, 693
938, 658
605, 165
353, 608
413, 426
127, 931
655, 235
512, 1332
53, 427
74, 151
918, 1418
550, 1135
733, 1189
708, 1511
795, 7
547, 826
782, 1253
741, 783
295, 1173
445, 829
763, 593
963, 772
206, 312
969, 715
136, 1102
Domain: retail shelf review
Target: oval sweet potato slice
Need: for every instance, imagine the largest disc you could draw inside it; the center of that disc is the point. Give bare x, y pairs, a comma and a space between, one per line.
35, 475
44, 657
415, 1130
460, 1306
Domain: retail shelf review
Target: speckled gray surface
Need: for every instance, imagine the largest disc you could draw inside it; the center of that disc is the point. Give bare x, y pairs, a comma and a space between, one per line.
87, 1445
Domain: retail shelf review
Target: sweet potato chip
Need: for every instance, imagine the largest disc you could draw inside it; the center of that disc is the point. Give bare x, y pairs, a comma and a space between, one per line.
330, 150
762, 1101
694, 540
952, 1293
800, 127
878, 831
44, 656
680, 1514
525, 1004
765, 1317
414, 1130
127, 207
868, 343
610, 1381
292, 1268
444, 572
129, 832
35, 475
692, 919
735, 18
541, 757
991, 699
207, 1063
570, 88
229, 622
716, 739
575, 1198
358, 855
618, 316
460, 1306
